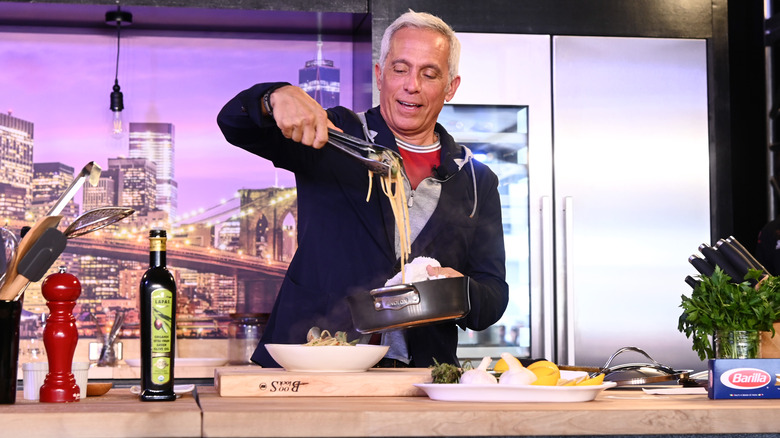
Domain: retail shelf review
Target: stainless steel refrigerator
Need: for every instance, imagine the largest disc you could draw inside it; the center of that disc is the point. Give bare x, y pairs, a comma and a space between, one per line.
605, 188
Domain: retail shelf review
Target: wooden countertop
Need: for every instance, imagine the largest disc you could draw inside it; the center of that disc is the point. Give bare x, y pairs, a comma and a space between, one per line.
614, 412
118, 413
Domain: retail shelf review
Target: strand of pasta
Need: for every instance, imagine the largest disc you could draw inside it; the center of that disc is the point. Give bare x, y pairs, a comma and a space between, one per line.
370, 184
397, 197
326, 339
400, 211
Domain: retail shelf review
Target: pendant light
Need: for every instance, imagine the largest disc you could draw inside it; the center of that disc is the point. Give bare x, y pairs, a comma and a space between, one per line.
117, 18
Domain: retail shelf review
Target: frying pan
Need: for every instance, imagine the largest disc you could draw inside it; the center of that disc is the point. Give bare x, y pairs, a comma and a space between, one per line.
410, 305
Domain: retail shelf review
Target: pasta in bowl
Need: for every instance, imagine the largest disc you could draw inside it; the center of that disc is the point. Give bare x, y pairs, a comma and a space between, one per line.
327, 358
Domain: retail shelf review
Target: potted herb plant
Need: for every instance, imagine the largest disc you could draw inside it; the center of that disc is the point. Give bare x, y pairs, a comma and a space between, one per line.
719, 308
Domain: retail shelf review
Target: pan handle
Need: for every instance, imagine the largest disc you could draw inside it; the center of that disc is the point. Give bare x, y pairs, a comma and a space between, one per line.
395, 297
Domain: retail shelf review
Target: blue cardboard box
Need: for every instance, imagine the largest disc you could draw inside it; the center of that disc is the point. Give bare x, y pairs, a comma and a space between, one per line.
744, 378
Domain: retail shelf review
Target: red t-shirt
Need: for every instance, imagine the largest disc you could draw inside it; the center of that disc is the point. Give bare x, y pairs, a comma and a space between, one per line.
419, 164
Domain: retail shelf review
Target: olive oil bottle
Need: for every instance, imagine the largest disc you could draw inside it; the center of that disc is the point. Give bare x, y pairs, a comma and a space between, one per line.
158, 324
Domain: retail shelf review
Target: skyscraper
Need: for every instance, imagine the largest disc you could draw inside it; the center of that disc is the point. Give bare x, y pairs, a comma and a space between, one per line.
136, 183
220, 290
99, 278
320, 80
16, 166
104, 194
50, 180
155, 142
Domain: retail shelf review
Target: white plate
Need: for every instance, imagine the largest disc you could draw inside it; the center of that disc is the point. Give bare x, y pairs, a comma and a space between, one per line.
327, 358
187, 362
511, 393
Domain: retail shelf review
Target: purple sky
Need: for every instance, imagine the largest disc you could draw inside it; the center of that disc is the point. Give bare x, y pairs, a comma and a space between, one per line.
61, 83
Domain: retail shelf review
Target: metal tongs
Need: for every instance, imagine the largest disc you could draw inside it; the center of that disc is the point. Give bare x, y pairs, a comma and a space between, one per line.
376, 158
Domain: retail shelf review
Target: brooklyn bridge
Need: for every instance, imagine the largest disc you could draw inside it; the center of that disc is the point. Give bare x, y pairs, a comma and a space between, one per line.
255, 253
258, 278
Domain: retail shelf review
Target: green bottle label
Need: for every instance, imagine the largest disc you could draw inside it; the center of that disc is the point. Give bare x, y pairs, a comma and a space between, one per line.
162, 335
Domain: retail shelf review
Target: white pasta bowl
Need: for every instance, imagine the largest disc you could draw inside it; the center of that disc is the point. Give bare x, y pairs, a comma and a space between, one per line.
326, 358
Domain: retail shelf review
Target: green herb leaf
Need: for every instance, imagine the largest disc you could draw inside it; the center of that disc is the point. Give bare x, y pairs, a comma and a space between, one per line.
445, 373
717, 303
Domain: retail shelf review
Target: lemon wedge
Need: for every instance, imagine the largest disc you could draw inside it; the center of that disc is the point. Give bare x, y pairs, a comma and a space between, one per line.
597, 380
501, 366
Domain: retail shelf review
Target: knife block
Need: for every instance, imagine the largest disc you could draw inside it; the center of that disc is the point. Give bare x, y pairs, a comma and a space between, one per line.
770, 346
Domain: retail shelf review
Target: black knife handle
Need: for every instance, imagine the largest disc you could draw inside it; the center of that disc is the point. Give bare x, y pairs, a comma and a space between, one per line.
757, 265
701, 265
692, 282
735, 257
715, 258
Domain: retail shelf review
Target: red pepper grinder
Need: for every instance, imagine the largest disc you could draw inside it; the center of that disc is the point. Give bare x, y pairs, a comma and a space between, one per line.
60, 337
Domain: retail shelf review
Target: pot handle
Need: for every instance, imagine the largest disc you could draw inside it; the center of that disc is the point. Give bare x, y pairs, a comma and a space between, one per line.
395, 297
655, 363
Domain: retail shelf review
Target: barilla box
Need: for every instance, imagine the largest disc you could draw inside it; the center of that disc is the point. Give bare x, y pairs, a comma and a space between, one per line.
744, 378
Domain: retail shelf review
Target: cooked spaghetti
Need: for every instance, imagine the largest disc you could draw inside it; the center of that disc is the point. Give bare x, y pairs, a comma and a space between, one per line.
326, 339
393, 187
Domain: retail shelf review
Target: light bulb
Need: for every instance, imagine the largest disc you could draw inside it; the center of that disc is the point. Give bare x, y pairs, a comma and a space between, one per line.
117, 105
117, 128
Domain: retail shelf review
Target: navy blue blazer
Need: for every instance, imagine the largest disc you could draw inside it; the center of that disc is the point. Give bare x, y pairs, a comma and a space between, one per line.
346, 245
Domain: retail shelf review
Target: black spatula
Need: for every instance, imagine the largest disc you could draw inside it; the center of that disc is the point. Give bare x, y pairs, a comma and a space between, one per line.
42, 254
39, 258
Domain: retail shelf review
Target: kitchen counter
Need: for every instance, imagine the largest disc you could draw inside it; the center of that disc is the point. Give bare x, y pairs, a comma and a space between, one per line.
614, 412
204, 413
118, 413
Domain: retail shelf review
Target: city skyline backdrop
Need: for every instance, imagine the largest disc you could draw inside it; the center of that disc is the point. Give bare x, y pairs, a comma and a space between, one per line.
61, 82
173, 88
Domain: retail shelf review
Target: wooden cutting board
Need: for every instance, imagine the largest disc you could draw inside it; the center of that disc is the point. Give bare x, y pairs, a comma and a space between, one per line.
255, 381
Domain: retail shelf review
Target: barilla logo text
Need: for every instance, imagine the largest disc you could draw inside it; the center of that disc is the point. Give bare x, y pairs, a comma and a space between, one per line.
745, 378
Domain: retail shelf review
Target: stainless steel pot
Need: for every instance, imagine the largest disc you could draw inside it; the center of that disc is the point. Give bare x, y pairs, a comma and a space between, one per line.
410, 305
635, 373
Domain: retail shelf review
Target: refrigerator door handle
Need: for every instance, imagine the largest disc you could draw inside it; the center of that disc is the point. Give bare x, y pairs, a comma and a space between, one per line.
547, 326
565, 307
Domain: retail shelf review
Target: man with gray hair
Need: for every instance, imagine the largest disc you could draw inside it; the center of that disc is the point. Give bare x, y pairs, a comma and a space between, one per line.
347, 245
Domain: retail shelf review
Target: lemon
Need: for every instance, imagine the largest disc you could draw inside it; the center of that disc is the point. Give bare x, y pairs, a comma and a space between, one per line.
546, 376
597, 380
573, 381
566, 382
547, 373
543, 364
502, 367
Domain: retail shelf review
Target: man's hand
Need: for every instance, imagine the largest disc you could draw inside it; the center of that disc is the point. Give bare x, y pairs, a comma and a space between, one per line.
300, 117
435, 271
